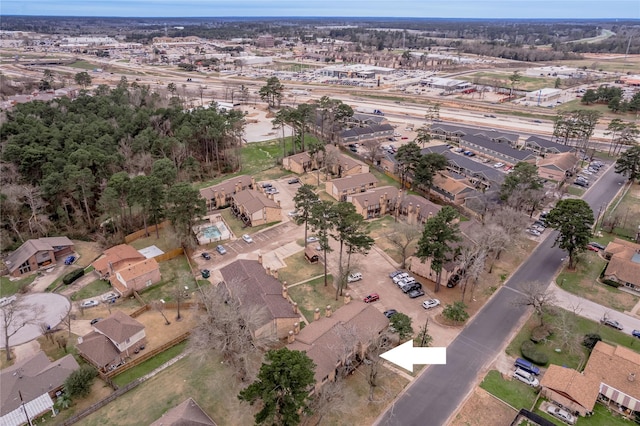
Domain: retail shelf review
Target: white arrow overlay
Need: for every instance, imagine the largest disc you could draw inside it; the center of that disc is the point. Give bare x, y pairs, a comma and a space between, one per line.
406, 355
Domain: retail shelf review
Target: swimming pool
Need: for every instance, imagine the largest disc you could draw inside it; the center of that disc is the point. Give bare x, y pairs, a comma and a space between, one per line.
211, 232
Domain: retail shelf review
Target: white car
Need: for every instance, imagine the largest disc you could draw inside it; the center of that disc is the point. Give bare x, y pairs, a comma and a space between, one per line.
293, 213
89, 304
498, 165
561, 414
312, 239
400, 277
356, 276
431, 303
110, 296
247, 238
525, 377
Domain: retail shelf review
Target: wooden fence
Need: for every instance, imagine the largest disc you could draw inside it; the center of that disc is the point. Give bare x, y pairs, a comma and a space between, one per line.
142, 358
140, 311
98, 405
145, 233
169, 255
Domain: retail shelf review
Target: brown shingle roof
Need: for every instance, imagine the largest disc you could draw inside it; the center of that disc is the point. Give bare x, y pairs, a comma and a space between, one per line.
228, 186
253, 201
115, 255
427, 208
138, 269
373, 195
32, 377
98, 348
248, 281
625, 261
450, 185
31, 247
300, 158
118, 327
354, 181
187, 413
571, 384
613, 365
564, 161
327, 340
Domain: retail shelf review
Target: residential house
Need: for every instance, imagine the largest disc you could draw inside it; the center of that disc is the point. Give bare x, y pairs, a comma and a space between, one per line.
112, 341
416, 210
36, 254
624, 263
452, 187
255, 208
495, 150
342, 165
30, 386
127, 269
367, 119
375, 202
372, 131
544, 146
187, 413
557, 166
258, 290
220, 195
478, 174
609, 376
298, 163
341, 188
339, 340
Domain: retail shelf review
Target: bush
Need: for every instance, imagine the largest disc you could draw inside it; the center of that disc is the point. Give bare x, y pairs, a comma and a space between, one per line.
79, 382
456, 312
531, 353
402, 324
540, 333
590, 340
611, 283
72, 276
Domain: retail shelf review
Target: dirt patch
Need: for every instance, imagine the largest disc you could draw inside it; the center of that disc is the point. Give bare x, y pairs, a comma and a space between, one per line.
483, 409
88, 251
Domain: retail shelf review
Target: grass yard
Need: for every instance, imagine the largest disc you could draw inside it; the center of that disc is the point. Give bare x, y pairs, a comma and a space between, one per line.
9, 287
299, 269
627, 212
583, 282
175, 275
149, 365
53, 351
314, 294
513, 392
167, 241
84, 65
525, 82
601, 417
574, 190
579, 327
92, 289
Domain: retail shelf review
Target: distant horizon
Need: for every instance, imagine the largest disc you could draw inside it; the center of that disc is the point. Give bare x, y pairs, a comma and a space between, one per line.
336, 9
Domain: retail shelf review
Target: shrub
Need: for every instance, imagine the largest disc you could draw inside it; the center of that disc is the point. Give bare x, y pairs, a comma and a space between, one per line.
590, 340
456, 312
72, 276
540, 333
402, 324
79, 382
531, 353
611, 283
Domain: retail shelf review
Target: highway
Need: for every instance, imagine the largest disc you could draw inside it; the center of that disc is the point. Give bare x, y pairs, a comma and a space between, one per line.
437, 393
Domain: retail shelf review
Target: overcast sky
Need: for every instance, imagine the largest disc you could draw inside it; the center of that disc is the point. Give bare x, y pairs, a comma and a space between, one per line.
522, 9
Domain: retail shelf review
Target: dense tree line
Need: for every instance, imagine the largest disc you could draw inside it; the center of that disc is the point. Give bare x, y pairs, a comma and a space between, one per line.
67, 165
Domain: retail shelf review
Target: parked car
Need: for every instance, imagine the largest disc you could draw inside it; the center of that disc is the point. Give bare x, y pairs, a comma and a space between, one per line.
89, 304
371, 298
7, 300
272, 191
597, 245
525, 377
247, 238
220, 249
581, 183
561, 414
406, 288
356, 276
205, 273
592, 248
293, 180
498, 165
535, 232
111, 296
267, 185
611, 323
69, 260
394, 273
525, 365
431, 303
206, 256
400, 277
415, 293
95, 320
636, 333
312, 239
537, 121
390, 313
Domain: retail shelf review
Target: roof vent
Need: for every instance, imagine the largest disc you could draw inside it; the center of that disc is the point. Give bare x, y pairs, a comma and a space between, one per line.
631, 377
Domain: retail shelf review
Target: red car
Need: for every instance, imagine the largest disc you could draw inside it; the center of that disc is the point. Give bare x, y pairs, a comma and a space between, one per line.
592, 248
371, 298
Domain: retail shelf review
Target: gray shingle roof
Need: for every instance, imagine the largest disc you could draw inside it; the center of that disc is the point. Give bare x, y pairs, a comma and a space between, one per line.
31, 247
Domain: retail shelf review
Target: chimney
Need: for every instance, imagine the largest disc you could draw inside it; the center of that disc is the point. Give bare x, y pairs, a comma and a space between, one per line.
383, 204
260, 258
327, 311
268, 270
275, 273
295, 307
238, 186
296, 327
347, 298
278, 202
284, 291
316, 314
291, 338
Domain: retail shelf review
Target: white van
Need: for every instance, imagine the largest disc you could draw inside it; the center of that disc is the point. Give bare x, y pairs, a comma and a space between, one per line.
356, 276
526, 377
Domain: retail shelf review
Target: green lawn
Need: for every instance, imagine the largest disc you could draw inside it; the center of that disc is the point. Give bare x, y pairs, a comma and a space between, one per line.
95, 288
513, 392
314, 294
175, 275
299, 269
83, 65
601, 417
9, 287
149, 365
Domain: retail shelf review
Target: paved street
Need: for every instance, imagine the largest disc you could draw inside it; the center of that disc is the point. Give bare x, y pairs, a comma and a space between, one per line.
436, 395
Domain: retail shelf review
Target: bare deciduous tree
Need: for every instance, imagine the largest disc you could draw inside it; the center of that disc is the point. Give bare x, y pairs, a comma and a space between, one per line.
15, 316
537, 295
494, 239
371, 147
227, 327
402, 236
328, 399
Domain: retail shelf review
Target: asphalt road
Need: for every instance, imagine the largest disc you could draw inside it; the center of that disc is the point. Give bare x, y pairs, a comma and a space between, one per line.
433, 397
